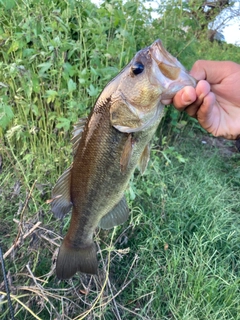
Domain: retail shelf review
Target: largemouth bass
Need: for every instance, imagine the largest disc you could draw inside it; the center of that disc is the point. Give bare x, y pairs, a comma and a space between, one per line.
107, 148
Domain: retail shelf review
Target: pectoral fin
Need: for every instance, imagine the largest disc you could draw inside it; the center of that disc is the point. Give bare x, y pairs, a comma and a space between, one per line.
126, 154
61, 201
143, 161
118, 215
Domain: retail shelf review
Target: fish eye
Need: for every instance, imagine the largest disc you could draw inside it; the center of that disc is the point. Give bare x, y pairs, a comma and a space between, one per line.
137, 68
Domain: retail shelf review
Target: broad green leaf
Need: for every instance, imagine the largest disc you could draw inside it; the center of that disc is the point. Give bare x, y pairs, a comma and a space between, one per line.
71, 85
51, 95
6, 115
63, 123
44, 67
92, 91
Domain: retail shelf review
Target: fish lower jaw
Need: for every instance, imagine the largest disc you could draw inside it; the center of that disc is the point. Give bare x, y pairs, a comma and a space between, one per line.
174, 87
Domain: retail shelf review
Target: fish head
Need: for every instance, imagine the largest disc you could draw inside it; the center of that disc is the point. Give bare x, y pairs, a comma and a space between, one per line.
152, 75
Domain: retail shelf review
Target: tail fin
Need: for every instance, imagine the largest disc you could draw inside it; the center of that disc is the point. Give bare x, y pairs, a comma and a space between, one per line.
70, 260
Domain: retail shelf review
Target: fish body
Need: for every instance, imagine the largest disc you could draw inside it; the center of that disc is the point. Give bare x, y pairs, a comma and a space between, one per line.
107, 148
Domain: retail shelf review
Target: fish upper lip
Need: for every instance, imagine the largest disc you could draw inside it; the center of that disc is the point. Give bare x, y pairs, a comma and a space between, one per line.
166, 56
162, 57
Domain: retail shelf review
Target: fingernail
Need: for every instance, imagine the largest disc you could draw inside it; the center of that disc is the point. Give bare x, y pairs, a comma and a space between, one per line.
186, 99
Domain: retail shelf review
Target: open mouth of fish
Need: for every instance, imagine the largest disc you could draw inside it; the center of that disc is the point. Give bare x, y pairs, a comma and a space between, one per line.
169, 71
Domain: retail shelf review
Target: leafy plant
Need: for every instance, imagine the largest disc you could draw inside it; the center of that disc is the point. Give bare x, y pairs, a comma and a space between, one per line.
178, 256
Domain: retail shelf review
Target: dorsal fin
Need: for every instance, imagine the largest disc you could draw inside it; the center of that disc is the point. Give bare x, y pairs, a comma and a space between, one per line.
118, 215
61, 199
77, 133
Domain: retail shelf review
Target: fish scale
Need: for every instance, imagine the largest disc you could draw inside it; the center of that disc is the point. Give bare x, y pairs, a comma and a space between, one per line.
108, 146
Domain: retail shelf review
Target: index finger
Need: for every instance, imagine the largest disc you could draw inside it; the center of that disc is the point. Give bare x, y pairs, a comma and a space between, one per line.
212, 71
184, 98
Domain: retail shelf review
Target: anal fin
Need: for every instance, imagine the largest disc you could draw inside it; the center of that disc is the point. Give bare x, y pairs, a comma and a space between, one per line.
118, 215
61, 200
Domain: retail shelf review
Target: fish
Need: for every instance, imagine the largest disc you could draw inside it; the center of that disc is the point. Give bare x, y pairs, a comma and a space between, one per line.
107, 147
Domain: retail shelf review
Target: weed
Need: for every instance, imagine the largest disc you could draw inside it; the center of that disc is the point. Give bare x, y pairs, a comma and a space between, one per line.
178, 256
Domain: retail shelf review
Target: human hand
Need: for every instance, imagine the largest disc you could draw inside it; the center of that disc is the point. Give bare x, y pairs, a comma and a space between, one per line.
215, 101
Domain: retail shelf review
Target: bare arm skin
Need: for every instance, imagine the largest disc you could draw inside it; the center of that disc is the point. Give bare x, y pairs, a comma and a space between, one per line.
215, 101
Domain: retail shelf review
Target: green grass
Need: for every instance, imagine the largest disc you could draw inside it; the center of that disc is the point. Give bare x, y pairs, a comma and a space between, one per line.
178, 255
188, 238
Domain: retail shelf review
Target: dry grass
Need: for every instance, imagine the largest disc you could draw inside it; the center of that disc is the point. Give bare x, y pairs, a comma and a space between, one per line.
80, 298
168, 262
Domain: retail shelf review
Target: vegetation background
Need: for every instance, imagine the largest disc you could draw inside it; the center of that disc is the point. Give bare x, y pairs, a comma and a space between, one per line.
178, 256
